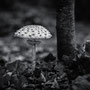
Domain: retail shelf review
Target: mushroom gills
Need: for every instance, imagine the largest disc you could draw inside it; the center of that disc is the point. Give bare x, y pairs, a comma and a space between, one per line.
33, 42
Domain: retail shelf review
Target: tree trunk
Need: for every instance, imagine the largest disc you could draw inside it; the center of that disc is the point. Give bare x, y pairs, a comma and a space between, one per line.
65, 28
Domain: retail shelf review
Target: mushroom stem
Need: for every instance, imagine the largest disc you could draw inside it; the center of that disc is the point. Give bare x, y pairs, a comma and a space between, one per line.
33, 43
34, 56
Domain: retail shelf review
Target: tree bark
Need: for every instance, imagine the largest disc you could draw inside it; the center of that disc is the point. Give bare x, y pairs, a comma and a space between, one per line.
65, 26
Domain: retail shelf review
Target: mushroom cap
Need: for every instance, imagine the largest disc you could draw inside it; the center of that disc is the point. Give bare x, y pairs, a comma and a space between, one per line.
33, 32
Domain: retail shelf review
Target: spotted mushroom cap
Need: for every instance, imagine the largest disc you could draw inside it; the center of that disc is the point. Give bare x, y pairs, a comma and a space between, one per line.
33, 32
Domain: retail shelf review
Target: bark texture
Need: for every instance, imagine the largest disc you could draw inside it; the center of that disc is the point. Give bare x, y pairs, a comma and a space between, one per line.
65, 26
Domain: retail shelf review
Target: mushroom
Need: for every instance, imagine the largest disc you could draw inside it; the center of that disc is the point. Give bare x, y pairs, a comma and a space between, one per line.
33, 34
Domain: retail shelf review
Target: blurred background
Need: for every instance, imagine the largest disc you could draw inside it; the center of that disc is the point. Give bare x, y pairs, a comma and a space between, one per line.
17, 13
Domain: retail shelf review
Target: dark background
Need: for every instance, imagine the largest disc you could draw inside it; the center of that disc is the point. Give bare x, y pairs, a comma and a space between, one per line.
81, 6
82, 10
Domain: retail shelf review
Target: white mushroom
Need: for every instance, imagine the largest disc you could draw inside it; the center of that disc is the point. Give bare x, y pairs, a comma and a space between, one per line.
33, 33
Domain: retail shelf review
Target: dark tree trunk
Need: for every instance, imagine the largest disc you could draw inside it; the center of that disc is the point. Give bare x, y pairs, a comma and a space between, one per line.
65, 28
